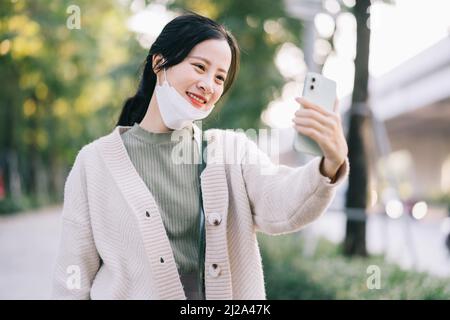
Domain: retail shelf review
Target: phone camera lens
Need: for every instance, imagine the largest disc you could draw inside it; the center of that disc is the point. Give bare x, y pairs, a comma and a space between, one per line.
312, 87
313, 79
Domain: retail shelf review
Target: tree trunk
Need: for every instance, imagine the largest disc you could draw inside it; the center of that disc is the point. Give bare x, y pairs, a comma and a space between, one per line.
5, 147
355, 237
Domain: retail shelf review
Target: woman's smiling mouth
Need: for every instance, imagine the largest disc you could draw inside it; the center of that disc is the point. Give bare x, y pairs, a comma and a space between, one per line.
196, 100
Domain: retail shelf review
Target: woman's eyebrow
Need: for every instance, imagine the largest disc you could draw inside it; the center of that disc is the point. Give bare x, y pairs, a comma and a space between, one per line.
207, 61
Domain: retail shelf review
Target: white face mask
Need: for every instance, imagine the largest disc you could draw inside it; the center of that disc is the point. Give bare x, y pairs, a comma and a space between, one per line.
176, 111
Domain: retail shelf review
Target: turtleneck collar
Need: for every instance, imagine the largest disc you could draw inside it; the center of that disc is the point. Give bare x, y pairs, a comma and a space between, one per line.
158, 138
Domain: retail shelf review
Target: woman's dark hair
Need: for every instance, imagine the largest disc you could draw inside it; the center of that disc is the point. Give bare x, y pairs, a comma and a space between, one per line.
175, 42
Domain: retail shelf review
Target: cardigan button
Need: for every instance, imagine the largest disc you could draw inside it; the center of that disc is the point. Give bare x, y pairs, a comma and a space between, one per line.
214, 270
214, 219
147, 214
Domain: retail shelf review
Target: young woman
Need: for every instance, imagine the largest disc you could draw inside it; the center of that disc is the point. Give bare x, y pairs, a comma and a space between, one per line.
139, 224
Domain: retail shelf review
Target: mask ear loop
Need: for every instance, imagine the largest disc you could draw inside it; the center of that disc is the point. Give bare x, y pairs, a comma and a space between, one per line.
165, 76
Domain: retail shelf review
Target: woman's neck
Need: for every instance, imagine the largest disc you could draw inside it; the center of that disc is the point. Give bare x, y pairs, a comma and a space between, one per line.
152, 120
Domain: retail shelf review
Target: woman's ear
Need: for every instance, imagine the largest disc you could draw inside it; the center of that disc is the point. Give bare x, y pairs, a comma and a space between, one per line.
157, 60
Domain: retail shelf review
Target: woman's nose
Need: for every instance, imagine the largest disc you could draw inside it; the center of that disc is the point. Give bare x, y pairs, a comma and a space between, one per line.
206, 86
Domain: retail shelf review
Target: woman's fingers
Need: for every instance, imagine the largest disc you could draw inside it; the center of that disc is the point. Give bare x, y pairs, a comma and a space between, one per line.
320, 125
309, 105
309, 122
324, 127
334, 115
325, 121
310, 132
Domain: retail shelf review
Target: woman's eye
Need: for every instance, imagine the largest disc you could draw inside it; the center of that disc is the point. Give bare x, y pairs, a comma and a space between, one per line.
199, 66
202, 67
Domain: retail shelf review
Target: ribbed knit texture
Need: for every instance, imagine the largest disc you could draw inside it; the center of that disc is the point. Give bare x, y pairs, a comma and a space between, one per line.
174, 185
114, 236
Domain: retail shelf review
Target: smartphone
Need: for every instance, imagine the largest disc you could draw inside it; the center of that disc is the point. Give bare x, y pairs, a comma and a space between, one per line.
320, 91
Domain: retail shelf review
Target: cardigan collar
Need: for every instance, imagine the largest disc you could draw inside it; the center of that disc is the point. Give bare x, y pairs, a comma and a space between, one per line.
215, 200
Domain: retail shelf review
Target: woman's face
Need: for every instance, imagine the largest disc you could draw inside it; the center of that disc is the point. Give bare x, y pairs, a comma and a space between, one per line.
200, 77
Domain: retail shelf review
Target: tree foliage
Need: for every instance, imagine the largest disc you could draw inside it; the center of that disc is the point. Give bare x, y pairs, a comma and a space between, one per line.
61, 87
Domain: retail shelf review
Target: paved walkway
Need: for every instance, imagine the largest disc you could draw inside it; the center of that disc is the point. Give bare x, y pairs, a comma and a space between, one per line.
28, 246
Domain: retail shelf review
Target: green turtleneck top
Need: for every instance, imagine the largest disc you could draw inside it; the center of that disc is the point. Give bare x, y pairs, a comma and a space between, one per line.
174, 185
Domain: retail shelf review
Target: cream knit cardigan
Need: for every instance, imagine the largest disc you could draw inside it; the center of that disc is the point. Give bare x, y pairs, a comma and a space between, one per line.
113, 242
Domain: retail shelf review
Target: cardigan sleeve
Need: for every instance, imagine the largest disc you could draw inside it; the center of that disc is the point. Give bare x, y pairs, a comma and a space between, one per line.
77, 259
284, 199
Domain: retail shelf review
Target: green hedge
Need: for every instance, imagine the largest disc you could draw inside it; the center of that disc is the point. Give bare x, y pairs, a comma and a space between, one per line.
326, 274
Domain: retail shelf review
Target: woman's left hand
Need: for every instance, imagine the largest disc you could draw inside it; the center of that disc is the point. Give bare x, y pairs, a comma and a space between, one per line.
325, 128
